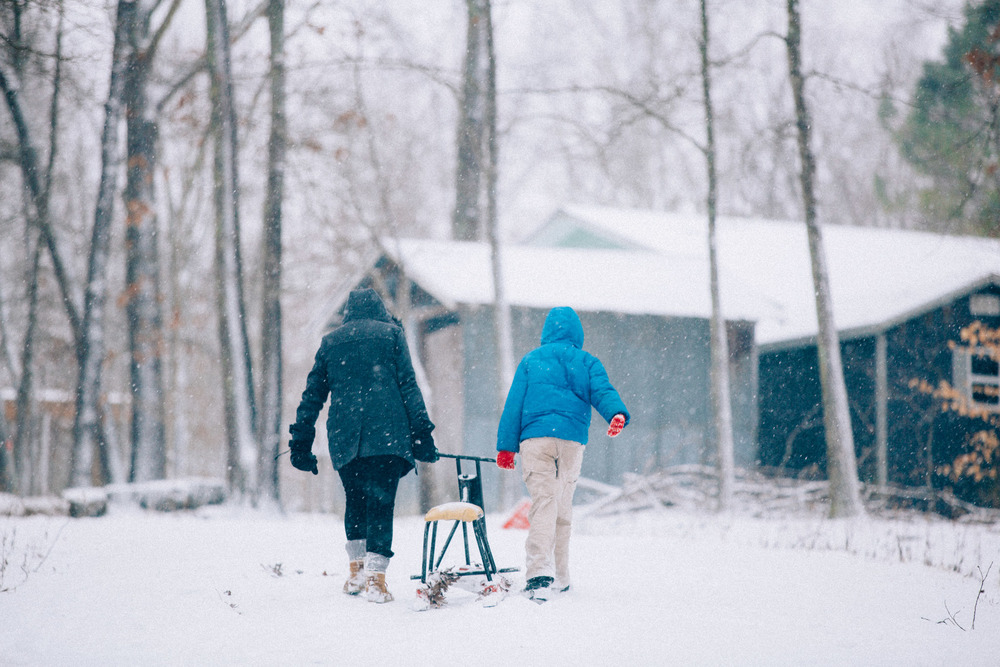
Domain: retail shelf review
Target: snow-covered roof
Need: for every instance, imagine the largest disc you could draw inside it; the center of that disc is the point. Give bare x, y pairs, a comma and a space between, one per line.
589, 280
877, 276
656, 263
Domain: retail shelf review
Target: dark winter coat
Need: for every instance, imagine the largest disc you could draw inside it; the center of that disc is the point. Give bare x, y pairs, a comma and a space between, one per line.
376, 408
555, 386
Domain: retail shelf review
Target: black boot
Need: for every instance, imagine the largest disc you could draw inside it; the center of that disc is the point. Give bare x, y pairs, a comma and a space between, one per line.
538, 582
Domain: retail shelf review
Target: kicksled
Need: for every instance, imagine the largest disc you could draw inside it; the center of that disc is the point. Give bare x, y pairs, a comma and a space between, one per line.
483, 578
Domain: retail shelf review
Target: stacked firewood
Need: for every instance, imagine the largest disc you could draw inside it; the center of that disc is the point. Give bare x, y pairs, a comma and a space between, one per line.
695, 487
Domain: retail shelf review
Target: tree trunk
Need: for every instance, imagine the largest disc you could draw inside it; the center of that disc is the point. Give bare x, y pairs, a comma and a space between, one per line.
503, 338
6, 438
270, 359
722, 412
87, 433
6, 465
25, 435
240, 408
6, 434
6, 342
142, 266
22, 472
37, 201
467, 216
845, 492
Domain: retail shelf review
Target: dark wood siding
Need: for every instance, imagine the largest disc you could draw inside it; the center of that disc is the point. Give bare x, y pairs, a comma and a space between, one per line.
921, 436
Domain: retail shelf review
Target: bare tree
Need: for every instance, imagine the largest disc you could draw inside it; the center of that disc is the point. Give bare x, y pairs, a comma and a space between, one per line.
845, 492
237, 372
721, 403
658, 108
37, 186
504, 342
467, 219
6, 476
37, 204
503, 337
142, 263
87, 434
26, 410
476, 182
6, 341
270, 360
7, 357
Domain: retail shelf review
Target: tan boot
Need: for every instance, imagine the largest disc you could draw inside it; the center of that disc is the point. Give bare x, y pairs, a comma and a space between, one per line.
375, 588
356, 581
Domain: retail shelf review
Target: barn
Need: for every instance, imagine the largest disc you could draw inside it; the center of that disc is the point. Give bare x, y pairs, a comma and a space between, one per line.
917, 314
647, 319
922, 389
919, 393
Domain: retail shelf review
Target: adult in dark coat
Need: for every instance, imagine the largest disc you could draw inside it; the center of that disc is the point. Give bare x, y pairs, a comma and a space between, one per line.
377, 425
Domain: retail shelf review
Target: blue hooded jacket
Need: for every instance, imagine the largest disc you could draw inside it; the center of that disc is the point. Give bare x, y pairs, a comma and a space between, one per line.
555, 386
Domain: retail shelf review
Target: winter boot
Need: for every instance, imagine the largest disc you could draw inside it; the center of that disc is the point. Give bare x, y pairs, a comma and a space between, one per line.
537, 583
356, 581
375, 588
538, 589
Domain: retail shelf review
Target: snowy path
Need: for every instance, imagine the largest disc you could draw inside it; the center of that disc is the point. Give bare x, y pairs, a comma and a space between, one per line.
654, 589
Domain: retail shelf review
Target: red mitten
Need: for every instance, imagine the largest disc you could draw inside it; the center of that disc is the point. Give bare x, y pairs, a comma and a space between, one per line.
505, 460
617, 424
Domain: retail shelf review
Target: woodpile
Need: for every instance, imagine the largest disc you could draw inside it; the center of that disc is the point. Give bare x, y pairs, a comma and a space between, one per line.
695, 488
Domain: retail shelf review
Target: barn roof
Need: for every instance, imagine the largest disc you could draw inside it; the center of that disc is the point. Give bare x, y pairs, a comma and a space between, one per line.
877, 276
589, 280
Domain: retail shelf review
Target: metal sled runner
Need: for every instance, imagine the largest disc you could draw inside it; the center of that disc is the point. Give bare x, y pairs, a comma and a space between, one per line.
468, 510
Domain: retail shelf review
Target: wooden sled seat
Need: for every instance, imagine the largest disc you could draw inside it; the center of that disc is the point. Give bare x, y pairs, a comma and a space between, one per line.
468, 510
463, 514
456, 511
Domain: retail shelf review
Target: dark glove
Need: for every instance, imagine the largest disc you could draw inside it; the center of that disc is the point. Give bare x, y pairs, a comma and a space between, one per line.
617, 424
302, 435
424, 449
505, 460
303, 459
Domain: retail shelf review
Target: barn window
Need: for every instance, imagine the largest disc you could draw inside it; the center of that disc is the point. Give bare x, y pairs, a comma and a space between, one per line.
987, 305
976, 373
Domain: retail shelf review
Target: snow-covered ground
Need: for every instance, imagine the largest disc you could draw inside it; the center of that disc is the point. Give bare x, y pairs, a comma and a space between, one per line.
229, 586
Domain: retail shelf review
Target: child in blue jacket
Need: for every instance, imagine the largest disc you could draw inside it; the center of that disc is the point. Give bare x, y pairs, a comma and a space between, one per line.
546, 418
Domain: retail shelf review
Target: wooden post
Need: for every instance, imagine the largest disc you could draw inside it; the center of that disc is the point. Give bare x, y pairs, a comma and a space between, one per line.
881, 412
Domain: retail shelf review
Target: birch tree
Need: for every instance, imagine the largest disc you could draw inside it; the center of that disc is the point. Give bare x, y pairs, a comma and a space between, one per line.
845, 492
722, 411
504, 342
237, 375
661, 109
501, 321
87, 436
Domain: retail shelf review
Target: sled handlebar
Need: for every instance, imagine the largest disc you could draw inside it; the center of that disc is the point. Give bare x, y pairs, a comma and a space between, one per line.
463, 457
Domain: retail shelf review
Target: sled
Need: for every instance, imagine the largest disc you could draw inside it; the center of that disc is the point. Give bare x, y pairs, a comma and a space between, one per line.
468, 510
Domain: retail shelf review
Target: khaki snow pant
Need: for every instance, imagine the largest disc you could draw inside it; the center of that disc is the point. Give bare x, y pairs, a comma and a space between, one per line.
551, 468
